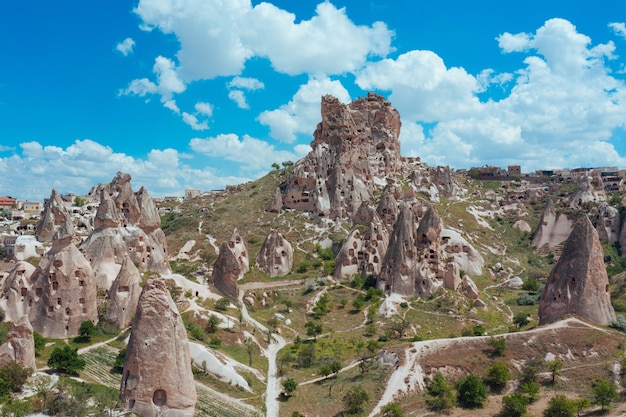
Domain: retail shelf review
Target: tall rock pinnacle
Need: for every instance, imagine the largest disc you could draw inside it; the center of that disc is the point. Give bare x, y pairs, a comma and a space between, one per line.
157, 378
578, 283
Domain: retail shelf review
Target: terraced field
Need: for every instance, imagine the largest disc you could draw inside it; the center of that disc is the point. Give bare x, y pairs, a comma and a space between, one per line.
211, 404
98, 368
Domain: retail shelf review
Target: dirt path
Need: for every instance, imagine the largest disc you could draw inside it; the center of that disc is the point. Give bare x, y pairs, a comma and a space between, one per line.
258, 285
96, 345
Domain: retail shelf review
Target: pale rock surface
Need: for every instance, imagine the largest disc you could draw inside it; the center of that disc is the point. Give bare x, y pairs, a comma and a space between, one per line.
578, 283
552, 230
354, 147
123, 295
522, 226
63, 292
469, 288
56, 220
276, 255
15, 289
19, 345
157, 379
276, 205
590, 190
607, 223
27, 246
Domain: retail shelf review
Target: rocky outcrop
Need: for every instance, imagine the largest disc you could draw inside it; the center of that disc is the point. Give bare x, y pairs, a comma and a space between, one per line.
590, 190
231, 265
388, 207
15, 289
157, 379
362, 253
19, 345
56, 220
127, 224
607, 223
276, 255
552, 230
124, 294
355, 146
276, 205
63, 292
578, 283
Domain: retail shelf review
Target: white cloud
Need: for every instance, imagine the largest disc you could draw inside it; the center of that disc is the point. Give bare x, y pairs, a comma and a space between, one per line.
204, 108
167, 82
253, 154
239, 98
126, 46
619, 28
246, 83
302, 113
85, 163
217, 37
422, 87
193, 121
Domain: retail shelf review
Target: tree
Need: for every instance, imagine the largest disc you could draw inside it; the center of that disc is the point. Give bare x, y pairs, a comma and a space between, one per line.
355, 399
13, 375
497, 376
472, 391
66, 360
16, 408
391, 410
86, 331
289, 386
41, 387
514, 405
313, 329
604, 392
306, 355
275, 166
212, 324
580, 404
335, 367
79, 201
442, 393
555, 367
531, 389
560, 406
222, 304
249, 349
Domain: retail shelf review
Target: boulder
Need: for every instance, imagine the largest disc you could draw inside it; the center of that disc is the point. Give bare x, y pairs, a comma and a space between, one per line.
19, 345
522, 226
276, 255
578, 283
469, 288
157, 379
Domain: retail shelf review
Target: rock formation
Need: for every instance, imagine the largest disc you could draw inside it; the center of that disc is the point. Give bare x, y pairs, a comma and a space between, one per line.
578, 283
552, 230
231, 265
363, 253
63, 292
590, 190
355, 146
19, 345
276, 205
56, 220
126, 224
276, 255
124, 295
607, 222
157, 379
15, 289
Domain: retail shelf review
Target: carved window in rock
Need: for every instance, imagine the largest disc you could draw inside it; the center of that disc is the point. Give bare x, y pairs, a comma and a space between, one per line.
57, 263
123, 288
38, 292
58, 301
23, 291
52, 276
81, 283
77, 273
81, 301
50, 309
159, 398
68, 312
278, 260
55, 285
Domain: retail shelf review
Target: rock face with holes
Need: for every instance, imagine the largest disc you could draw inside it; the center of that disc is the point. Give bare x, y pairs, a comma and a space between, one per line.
355, 146
56, 220
127, 224
157, 379
578, 283
276, 255
19, 345
63, 292
231, 265
15, 289
607, 222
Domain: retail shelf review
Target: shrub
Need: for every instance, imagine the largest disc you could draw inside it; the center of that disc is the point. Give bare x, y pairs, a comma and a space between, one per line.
514, 405
66, 360
355, 399
441, 394
497, 376
560, 406
472, 391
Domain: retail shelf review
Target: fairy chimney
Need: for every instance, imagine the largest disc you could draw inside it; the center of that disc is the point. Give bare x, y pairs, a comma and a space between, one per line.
157, 379
276, 255
578, 283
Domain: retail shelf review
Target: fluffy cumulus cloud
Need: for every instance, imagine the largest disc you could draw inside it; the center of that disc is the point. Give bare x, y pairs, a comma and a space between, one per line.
125, 47
237, 86
217, 37
302, 113
560, 109
253, 154
86, 163
619, 28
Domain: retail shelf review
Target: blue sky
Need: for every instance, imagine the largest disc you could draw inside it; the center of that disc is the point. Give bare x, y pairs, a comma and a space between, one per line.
205, 93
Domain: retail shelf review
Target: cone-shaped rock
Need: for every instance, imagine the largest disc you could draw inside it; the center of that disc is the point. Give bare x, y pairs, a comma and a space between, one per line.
124, 295
276, 205
276, 255
56, 220
19, 345
231, 265
552, 230
15, 289
607, 222
63, 293
578, 283
157, 379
